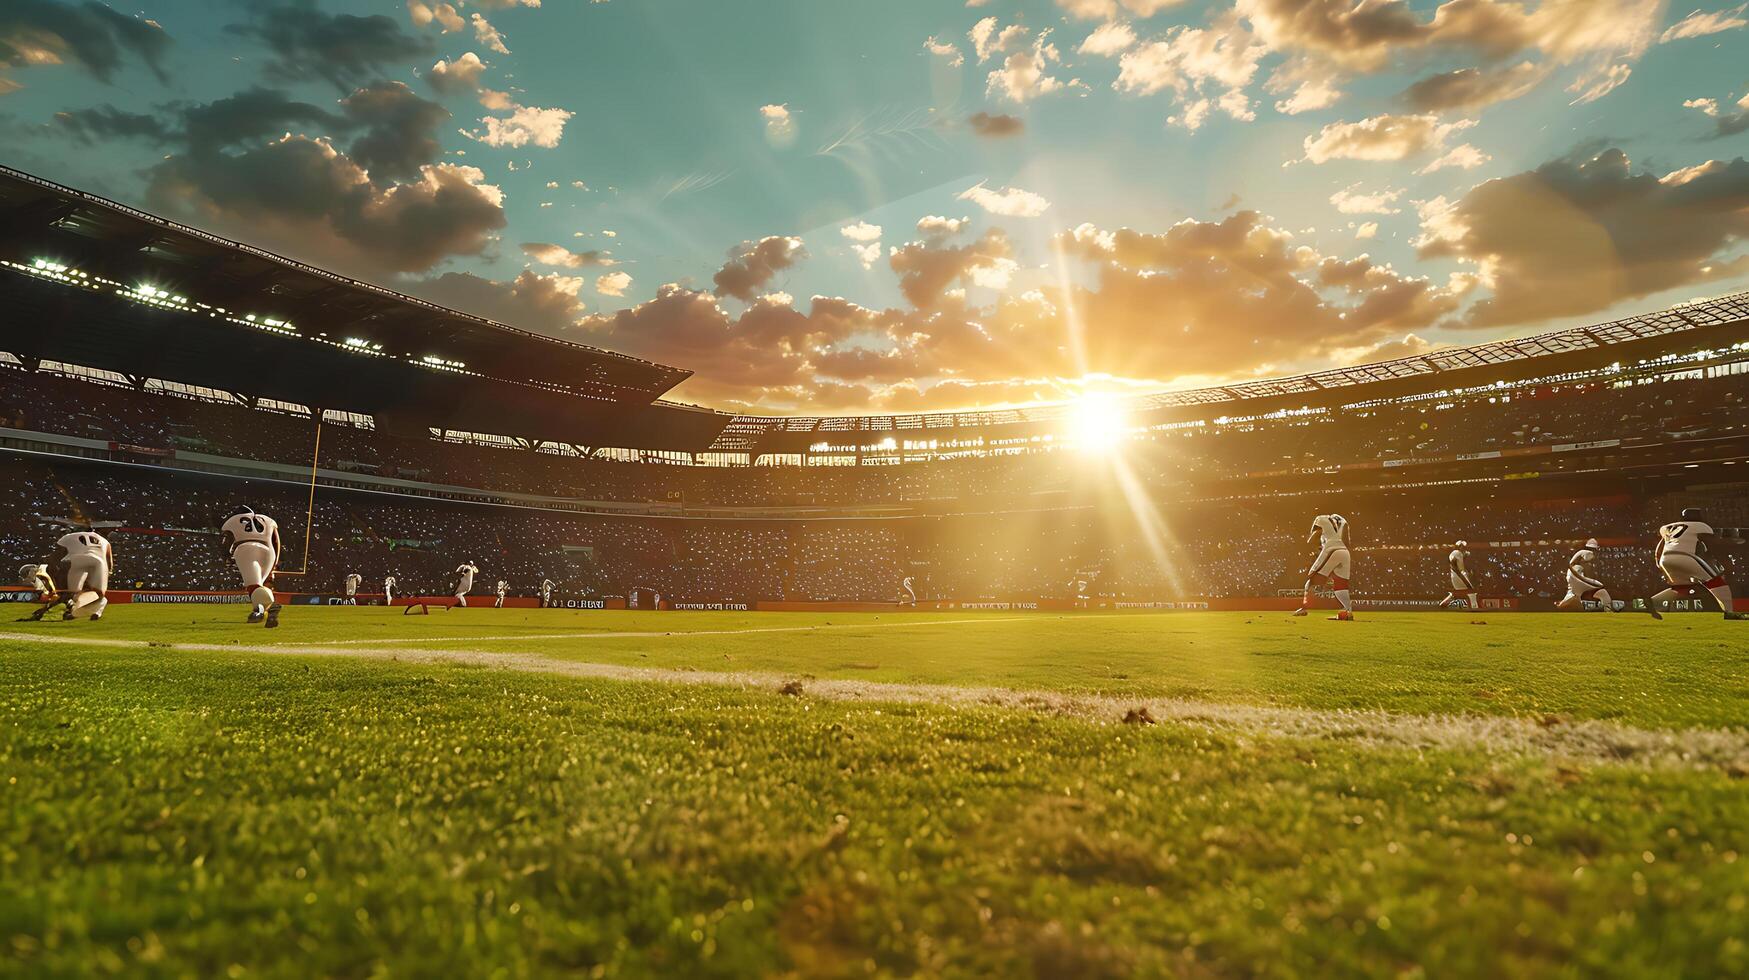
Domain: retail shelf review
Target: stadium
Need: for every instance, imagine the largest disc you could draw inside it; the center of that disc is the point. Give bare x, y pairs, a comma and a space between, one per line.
1226, 601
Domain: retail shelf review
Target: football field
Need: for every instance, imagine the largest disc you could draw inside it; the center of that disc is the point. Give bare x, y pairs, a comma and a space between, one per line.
699, 794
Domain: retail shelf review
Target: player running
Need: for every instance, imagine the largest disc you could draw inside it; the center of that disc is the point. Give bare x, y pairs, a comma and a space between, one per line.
253, 542
1682, 557
1462, 586
464, 582
1582, 583
88, 559
503, 590
1330, 533
353, 581
547, 586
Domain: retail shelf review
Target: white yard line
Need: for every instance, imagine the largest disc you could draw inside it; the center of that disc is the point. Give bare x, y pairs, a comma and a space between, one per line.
1600, 742
648, 634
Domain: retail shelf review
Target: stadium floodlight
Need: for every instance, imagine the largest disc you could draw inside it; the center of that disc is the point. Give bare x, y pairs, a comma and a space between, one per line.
1096, 423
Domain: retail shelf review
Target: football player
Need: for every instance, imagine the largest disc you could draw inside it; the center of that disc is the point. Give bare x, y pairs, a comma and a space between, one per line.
1582, 583
502, 590
353, 581
1682, 557
253, 542
1462, 586
37, 577
88, 560
547, 586
909, 585
1330, 533
464, 581
388, 590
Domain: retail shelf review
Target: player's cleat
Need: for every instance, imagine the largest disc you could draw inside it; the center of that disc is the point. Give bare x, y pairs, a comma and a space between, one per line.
1300, 611
272, 616
1342, 617
1737, 615
67, 616
1652, 607
97, 615
256, 615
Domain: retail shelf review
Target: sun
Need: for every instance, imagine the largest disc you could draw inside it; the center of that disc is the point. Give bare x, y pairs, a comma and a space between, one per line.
1096, 424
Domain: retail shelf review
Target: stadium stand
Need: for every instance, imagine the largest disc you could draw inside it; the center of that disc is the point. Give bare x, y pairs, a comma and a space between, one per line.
432, 436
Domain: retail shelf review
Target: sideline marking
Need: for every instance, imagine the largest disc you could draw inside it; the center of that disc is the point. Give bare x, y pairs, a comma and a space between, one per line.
1594, 741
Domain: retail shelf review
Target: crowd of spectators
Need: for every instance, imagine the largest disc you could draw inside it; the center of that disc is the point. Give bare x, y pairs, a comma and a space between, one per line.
1219, 450
165, 530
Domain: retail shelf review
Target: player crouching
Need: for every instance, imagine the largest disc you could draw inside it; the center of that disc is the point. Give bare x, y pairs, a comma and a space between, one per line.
464, 582
1330, 531
37, 577
1682, 557
1462, 586
253, 542
88, 559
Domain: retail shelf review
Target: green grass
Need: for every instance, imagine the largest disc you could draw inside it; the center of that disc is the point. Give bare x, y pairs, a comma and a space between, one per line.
172, 812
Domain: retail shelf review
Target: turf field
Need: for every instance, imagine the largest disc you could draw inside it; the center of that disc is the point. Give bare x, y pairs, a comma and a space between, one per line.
541, 791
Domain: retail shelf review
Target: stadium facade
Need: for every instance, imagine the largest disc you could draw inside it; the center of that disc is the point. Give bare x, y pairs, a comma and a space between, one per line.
121, 384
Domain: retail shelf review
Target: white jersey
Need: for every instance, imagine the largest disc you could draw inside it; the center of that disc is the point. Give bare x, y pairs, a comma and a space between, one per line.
389, 582
1579, 575
1329, 528
36, 577
250, 528
1683, 537
546, 588
467, 573
1459, 563
352, 583
503, 587
84, 544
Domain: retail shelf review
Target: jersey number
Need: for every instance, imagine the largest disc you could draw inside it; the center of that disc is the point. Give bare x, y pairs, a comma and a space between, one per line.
1677, 531
253, 525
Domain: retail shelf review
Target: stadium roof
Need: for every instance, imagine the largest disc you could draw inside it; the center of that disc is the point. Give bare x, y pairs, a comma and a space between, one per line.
154, 298
112, 287
1719, 321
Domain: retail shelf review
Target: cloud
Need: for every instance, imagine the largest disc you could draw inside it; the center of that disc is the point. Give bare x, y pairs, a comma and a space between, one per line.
343, 49
1026, 74
302, 196
988, 39
1576, 236
865, 242
944, 50
88, 34
937, 226
1369, 229
995, 126
1700, 24
752, 265
460, 75
101, 123
560, 256
1009, 201
1107, 9
1204, 68
1470, 89
613, 283
525, 126
1108, 39
399, 129
1328, 41
488, 35
1725, 123
1384, 137
780, 124
546, 304
1352, 201
929, 269
445, 15
1464, 156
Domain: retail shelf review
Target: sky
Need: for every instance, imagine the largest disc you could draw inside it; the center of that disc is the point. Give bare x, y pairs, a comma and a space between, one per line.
842, 206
